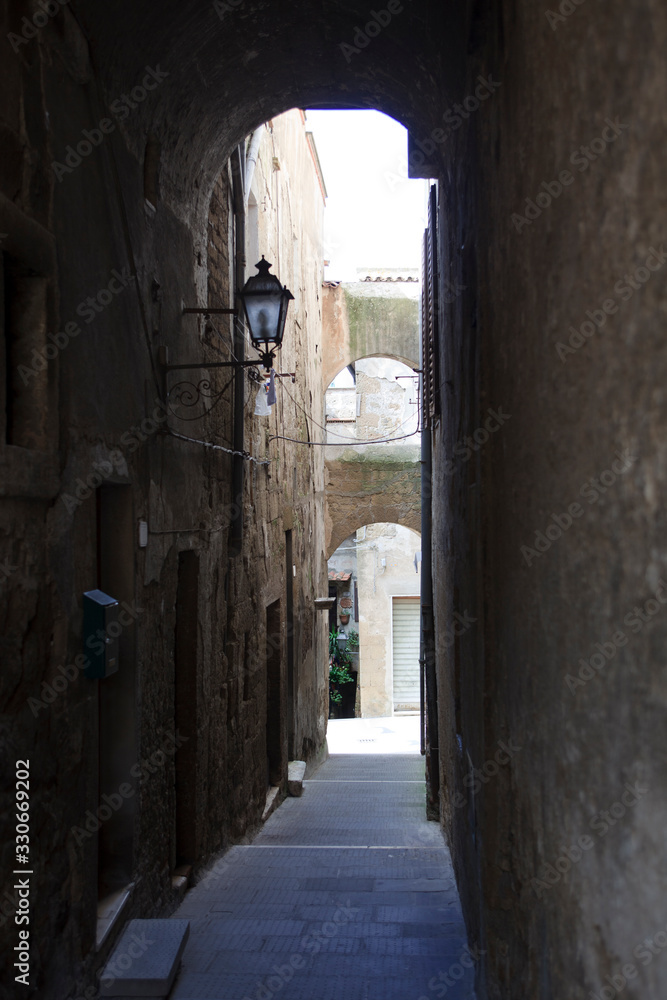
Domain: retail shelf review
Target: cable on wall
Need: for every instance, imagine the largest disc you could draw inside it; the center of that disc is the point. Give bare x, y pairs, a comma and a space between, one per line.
219, 447
344, 442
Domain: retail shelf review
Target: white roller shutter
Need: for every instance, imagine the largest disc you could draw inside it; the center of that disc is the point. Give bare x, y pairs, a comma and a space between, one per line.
405, 632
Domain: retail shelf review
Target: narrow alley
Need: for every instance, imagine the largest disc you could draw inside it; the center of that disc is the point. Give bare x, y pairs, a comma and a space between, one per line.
347, 893
333, 355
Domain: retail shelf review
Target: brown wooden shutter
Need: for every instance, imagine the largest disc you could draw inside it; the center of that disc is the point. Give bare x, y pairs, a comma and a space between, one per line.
430, 314
426, 338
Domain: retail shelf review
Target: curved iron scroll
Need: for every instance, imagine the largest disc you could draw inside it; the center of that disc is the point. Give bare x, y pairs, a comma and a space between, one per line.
187, 395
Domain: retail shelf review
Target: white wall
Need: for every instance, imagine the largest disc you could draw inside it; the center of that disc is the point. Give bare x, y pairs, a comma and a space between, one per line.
377, 584
378, 406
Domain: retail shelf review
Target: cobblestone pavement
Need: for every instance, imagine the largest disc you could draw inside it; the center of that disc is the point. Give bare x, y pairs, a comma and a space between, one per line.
347, 893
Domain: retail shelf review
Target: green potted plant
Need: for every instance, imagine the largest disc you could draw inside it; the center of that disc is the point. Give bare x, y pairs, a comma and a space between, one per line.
352, 650
339, 674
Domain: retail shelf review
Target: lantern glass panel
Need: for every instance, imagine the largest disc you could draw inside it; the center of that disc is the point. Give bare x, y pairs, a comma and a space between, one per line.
284, 302
264, 316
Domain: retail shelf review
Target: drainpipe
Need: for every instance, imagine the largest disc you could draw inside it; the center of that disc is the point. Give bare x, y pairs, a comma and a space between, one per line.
238, 467
422, 696
251, 160
427, 632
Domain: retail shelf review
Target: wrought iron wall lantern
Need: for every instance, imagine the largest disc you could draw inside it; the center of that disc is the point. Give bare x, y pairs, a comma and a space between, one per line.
265, 303
341, 641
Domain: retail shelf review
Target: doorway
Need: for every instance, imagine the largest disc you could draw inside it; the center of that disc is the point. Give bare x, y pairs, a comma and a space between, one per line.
185, 706
117, 750
274, 696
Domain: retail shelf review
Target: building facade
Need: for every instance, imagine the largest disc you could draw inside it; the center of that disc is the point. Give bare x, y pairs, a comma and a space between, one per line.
199, 518
378, 398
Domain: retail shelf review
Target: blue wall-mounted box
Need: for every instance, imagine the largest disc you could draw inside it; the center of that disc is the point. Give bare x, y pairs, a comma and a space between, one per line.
101, 629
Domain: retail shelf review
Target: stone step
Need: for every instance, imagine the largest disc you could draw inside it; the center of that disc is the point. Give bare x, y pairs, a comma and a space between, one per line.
145, 960
295, 772
272, 801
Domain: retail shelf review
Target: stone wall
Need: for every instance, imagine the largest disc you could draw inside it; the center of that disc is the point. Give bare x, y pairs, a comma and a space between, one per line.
375, 326
182, 726
544, 537
362, 318
380, 484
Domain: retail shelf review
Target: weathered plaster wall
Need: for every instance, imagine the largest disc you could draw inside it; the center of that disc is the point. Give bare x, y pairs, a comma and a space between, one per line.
382, 404
378, 584
539, 615
344, 559
341, 405
389, 392
361, 318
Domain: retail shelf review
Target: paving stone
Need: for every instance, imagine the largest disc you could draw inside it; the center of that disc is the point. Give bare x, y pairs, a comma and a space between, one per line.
411, 885
350, 882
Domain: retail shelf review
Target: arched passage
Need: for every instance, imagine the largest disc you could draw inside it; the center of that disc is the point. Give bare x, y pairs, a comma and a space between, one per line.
378, 564
365, 489
372, 482
178, 88
232, 65
368, 319
220, 71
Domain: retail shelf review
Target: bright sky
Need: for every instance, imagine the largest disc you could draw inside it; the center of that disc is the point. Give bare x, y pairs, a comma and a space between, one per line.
375, 216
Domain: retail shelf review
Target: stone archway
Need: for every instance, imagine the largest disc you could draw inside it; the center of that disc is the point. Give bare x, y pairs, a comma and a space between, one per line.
360, 320
369, 319
379, 485
230, 65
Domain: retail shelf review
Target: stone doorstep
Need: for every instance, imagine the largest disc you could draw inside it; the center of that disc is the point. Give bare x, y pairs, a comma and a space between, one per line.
145, 960
295, 772
272, 801
181, 878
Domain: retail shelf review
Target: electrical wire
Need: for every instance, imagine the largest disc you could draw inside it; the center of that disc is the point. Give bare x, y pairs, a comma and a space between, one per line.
182, 531
218, 447
336, 444
344, 442
352, 440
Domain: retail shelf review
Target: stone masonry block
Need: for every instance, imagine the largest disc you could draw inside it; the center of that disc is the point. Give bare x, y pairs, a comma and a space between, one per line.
145, 960
295, 772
